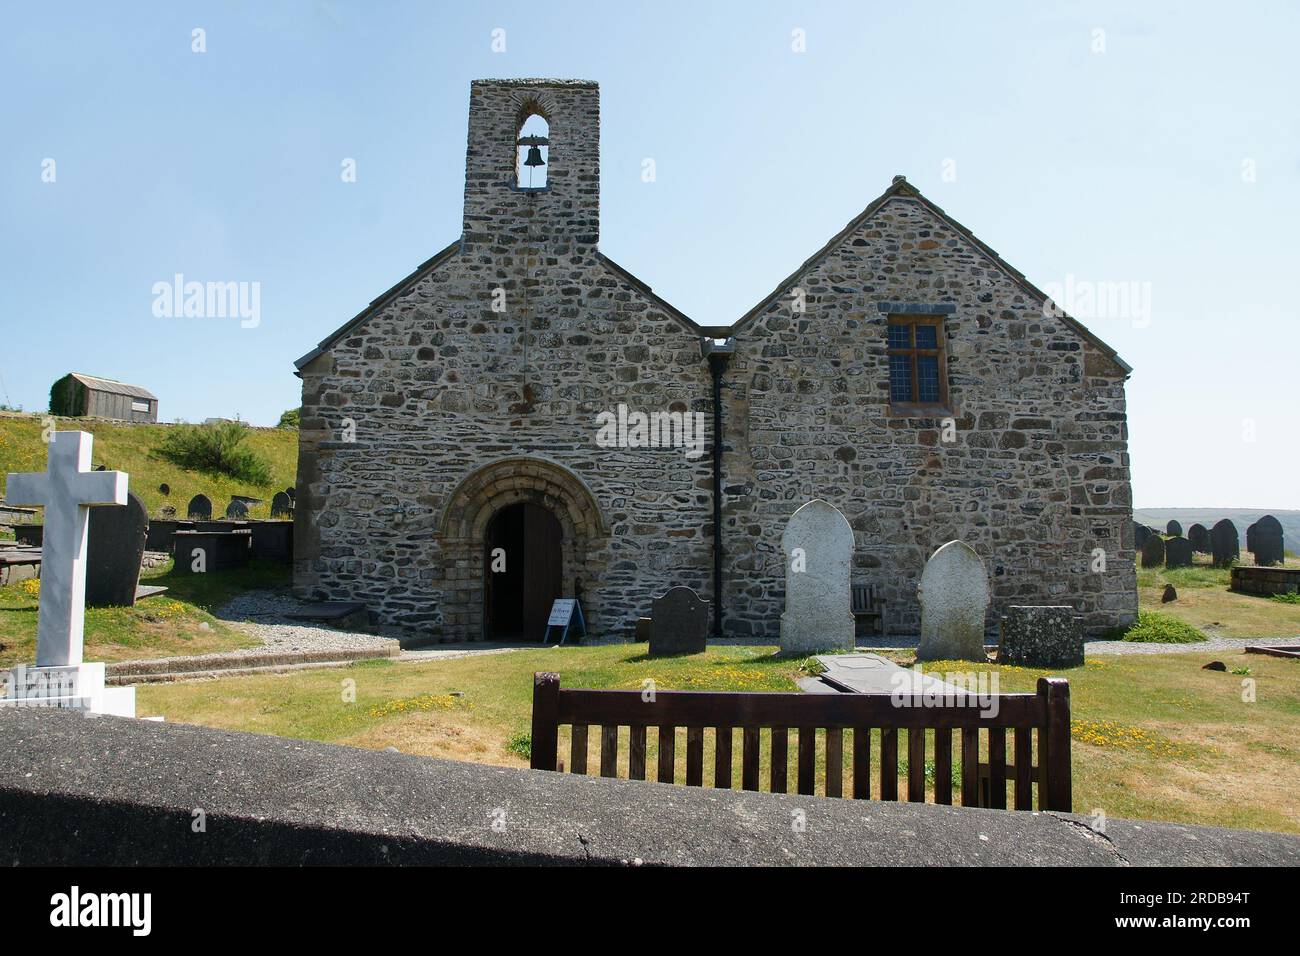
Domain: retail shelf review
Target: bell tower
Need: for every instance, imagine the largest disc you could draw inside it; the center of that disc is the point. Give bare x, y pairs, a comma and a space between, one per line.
532, 168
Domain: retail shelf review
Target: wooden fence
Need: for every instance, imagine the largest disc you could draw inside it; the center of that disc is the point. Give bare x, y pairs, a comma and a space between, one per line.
982, 783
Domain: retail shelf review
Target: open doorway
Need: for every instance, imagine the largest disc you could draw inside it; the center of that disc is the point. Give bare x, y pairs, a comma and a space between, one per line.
522, 572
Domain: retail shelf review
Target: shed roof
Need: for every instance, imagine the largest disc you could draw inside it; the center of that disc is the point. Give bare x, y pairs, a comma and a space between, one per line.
112, 386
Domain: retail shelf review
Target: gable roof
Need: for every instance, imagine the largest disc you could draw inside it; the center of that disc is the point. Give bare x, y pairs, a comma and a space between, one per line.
404, 285
901, 188
112, 386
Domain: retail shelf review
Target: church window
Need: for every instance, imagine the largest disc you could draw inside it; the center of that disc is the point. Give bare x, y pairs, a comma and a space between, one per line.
918, 375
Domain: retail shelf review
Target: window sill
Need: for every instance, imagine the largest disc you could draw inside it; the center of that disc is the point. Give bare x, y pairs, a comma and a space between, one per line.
920, 411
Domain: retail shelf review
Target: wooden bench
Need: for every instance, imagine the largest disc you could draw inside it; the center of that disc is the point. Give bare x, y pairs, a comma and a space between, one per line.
868, 608
819, 719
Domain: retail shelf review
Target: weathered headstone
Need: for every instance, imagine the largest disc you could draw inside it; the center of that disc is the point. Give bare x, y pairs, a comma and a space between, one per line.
1141, 534
818, 547
281, 504
1199, 538
200, 507
1178, 553
1174, 529
236, 509
1225, 543
1250, 537
1153, 552
1269, 547
679, 623
164, 489
954, 595
67, 490
1041, 637
1169, 595
292, 492
116, 547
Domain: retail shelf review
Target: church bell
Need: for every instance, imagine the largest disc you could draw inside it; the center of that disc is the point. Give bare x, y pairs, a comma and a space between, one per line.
534, 157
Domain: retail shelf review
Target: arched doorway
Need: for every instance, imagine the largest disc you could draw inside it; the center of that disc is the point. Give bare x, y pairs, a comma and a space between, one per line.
522, 571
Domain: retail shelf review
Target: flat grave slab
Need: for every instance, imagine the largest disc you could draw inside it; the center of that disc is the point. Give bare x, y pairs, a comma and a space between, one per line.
873, 674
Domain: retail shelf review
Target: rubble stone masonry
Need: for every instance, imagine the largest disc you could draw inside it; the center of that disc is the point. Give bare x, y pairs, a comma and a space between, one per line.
476, 383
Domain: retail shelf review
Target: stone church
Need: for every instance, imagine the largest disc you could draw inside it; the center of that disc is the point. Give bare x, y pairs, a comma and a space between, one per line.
513, 421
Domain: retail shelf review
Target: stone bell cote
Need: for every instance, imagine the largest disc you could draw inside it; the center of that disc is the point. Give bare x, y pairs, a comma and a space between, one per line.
532, 168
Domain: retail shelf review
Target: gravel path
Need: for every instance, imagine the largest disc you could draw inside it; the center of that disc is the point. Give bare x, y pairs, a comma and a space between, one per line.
262, 614
1213, 644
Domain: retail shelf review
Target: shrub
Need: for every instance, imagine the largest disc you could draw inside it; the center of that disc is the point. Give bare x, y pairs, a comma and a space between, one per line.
521, 745
1290, 598
290, 418
215, 448
1153, 627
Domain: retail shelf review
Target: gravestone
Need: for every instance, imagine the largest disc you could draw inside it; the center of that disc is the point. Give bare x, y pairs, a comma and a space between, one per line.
1225, 543
1173, 529
116, 546
1199, 538
200, 552
818, 547
954, 596
200, 507
272, 540
292, 493
1178, 553
281, 504
1153, 552
164, 489
67, 490
679, 623
1141, 534
236, 509
1041, 637
1269, 547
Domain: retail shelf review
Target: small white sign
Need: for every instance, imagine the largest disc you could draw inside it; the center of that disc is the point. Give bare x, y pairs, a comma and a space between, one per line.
561, 612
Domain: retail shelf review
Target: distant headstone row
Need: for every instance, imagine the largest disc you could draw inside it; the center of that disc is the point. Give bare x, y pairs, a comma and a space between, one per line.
200, 506
1263, 539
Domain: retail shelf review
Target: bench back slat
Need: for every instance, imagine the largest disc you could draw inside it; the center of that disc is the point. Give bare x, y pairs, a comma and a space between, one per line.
824, 718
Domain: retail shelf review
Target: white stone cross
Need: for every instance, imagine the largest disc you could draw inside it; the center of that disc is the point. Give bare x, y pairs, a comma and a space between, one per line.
66, 490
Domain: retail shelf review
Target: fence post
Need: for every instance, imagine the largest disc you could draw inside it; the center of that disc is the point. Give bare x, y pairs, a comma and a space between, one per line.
1060, 793
546, 720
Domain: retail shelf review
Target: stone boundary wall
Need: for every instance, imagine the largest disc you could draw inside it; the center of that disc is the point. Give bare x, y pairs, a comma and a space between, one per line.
120, 792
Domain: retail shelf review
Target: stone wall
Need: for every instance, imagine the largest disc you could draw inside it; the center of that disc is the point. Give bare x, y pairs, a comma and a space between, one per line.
476, 383
1036, 478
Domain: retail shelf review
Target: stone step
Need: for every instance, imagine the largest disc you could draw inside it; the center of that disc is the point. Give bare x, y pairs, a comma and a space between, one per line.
178, 677
166, 668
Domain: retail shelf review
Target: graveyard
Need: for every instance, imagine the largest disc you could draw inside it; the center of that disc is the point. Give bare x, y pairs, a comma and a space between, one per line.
636, 445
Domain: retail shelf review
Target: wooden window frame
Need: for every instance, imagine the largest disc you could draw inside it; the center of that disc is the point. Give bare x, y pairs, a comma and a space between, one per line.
916, 407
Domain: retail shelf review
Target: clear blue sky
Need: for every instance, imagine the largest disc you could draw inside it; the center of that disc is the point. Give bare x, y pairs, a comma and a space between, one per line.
1117, 166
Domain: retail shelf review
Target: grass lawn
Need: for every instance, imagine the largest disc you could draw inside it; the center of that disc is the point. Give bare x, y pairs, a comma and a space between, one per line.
130, 448
1205, 602
1155, 737
175, 624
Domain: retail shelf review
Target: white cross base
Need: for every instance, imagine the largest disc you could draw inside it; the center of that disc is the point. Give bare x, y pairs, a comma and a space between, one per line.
66, 490
76, 687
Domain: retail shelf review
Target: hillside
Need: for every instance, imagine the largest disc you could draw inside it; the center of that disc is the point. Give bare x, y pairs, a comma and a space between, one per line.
125, 447
1242, 517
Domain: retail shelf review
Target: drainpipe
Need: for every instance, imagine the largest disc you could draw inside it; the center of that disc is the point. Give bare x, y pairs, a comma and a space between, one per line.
718, 352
